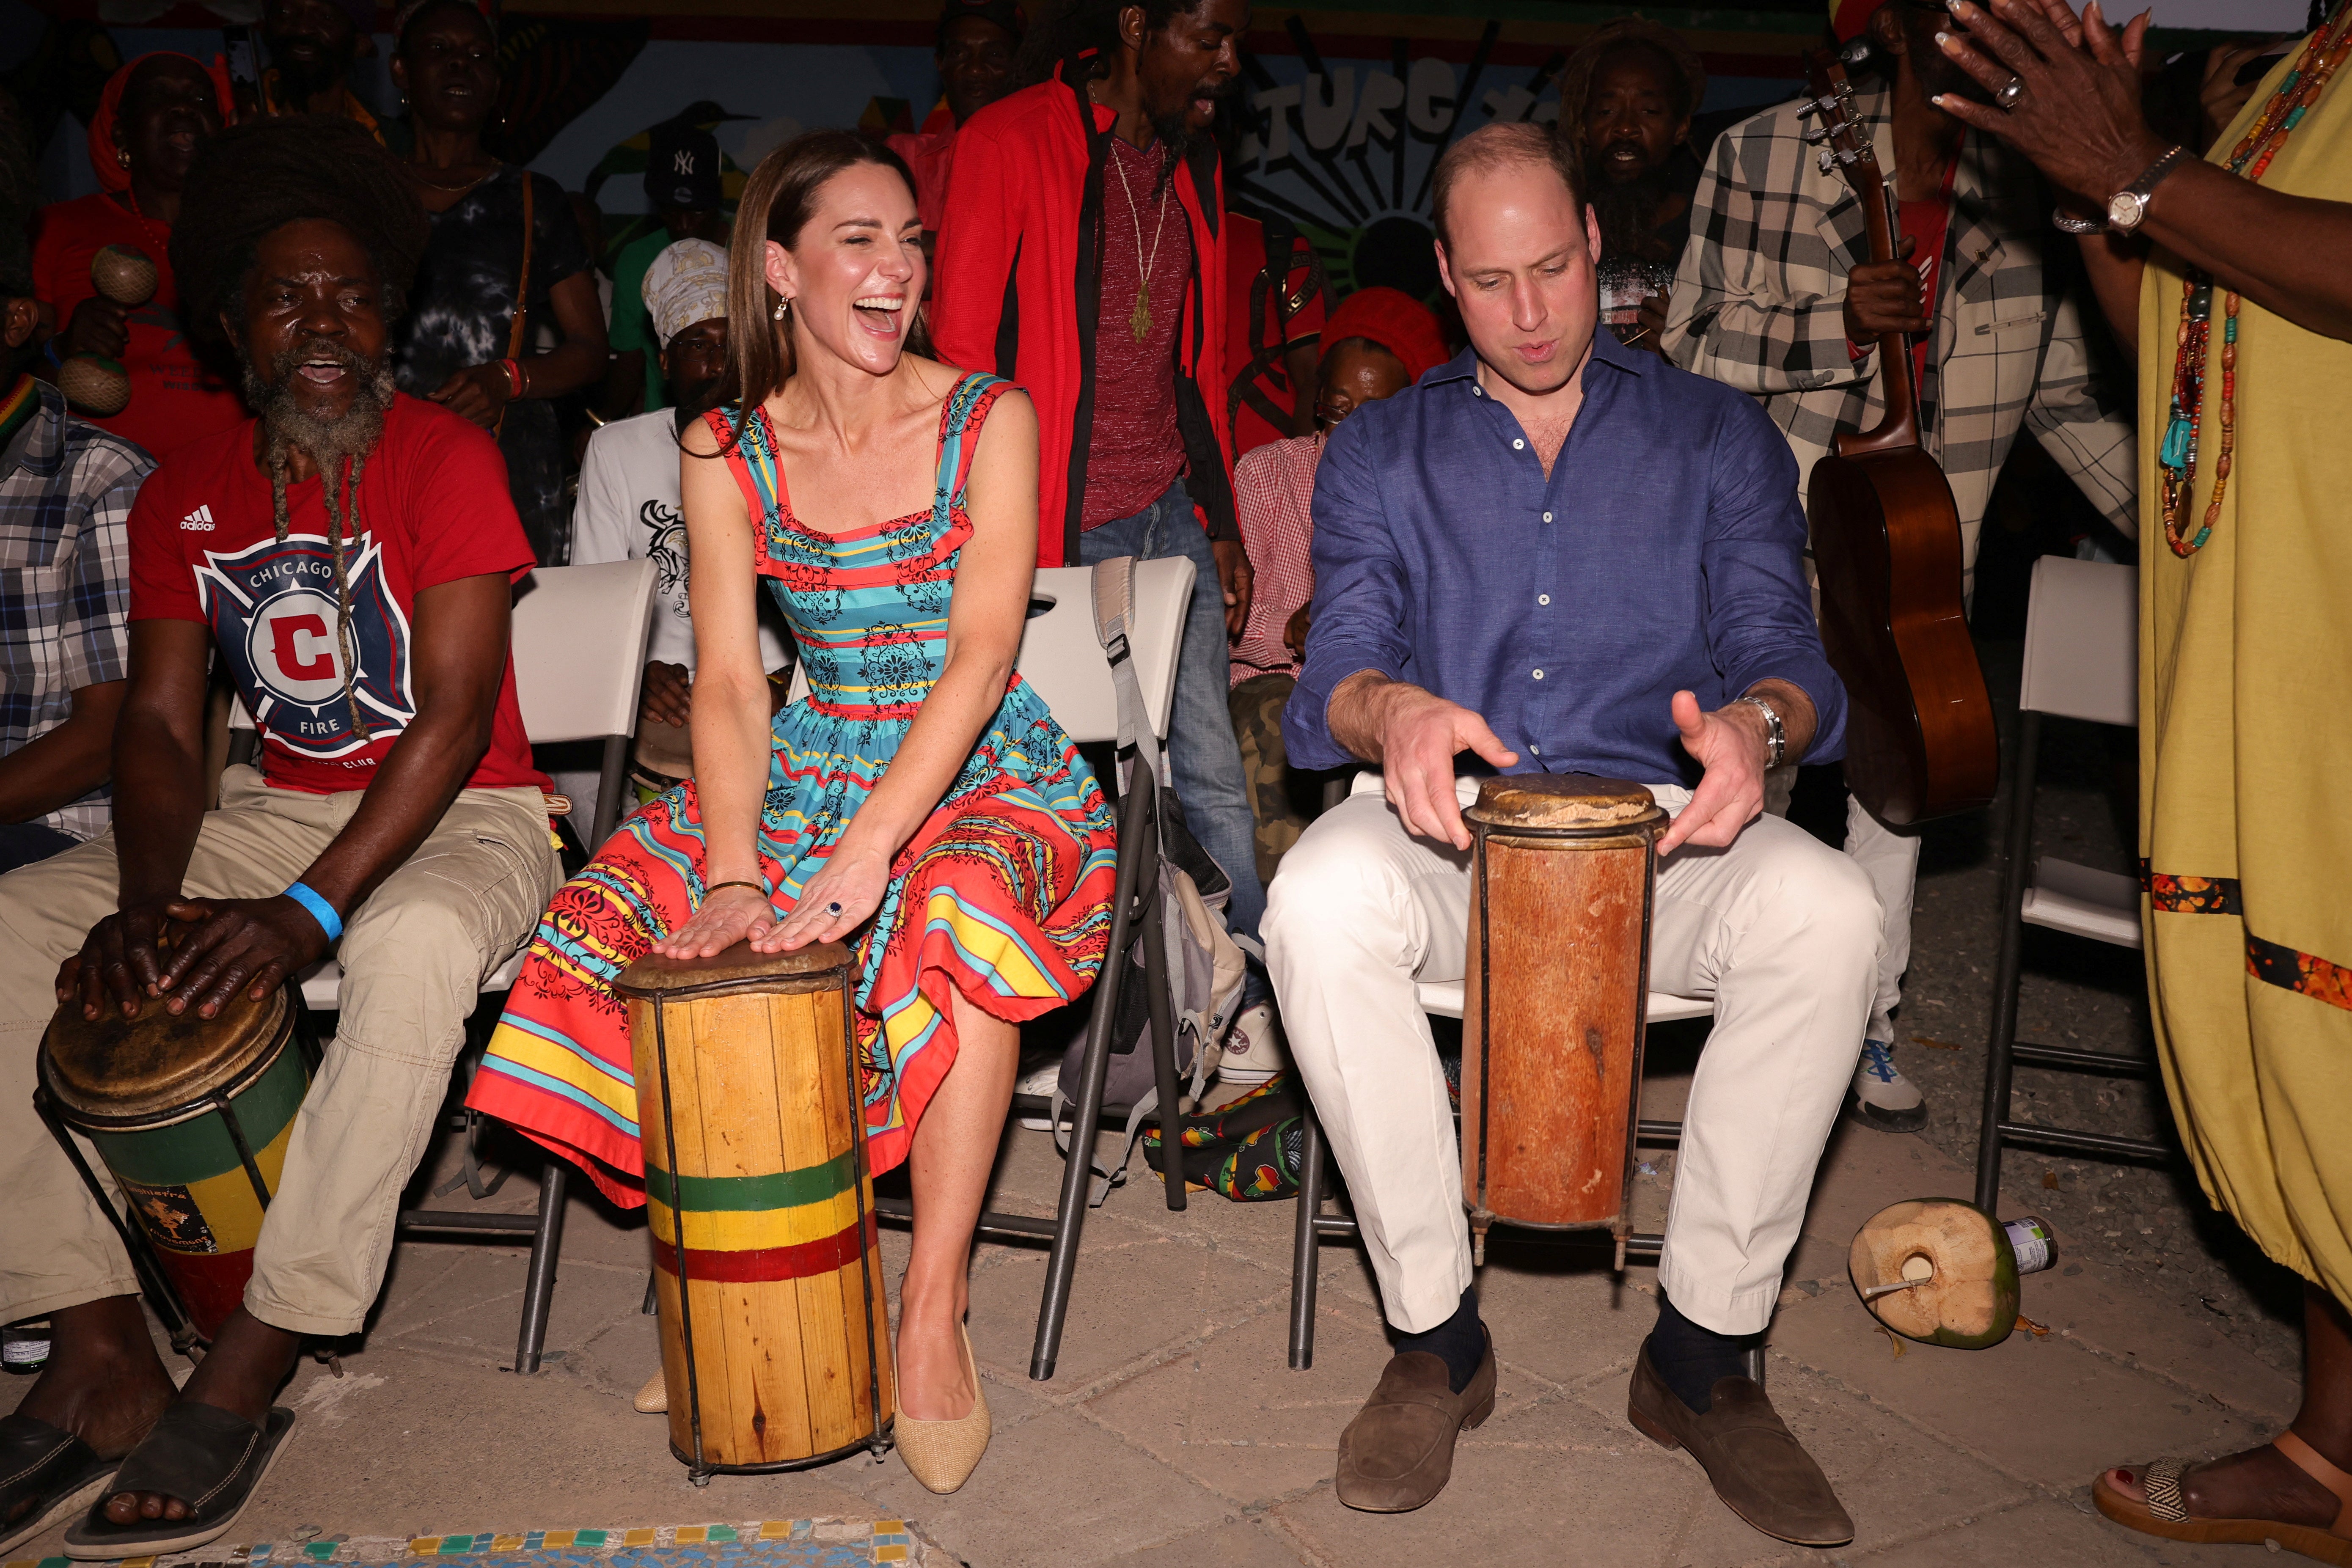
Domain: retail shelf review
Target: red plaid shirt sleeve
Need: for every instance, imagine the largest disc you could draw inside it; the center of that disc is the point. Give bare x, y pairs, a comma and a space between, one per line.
1274, 490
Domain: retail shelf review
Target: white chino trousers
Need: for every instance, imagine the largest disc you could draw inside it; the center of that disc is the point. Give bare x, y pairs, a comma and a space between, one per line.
1782, 932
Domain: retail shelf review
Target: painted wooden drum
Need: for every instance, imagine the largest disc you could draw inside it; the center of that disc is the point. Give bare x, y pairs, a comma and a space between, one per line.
1555, 996
774, 1325
190, 1117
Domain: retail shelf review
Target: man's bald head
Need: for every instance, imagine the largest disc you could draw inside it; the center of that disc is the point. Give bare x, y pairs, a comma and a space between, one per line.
1493, 147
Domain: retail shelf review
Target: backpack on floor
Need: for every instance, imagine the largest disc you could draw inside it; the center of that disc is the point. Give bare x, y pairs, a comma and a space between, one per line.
1204, 960
1249, 1150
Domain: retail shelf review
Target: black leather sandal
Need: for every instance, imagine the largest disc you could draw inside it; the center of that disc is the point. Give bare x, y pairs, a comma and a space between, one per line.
45, 1475
208, 1457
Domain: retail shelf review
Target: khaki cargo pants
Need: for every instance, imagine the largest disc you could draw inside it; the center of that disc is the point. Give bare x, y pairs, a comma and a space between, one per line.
415, 957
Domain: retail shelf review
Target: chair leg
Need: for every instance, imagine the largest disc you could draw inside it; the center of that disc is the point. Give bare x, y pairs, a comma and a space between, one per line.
1135, 848
1163, 1049
609, 780
1303, 1243
2003, 1040
539, 1289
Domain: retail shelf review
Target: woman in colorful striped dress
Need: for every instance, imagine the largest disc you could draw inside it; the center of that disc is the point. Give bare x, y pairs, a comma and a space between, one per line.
921, 786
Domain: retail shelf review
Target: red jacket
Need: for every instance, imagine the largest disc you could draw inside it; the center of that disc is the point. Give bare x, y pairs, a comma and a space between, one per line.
1016, 289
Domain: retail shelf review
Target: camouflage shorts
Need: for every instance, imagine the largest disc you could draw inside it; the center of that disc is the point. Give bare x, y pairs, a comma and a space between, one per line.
1278, 798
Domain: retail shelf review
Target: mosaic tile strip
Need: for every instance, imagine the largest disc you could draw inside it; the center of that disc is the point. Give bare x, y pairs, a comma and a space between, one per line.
757, 1543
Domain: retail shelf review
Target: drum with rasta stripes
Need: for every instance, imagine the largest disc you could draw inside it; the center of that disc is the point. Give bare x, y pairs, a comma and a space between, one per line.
191, 1116
775, 1331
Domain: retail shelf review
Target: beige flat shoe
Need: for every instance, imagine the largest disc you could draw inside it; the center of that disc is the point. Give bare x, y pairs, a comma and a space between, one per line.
944, 1454
653, 1399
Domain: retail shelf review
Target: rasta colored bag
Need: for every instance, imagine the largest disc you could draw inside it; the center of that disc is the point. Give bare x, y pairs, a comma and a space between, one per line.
1249, 1150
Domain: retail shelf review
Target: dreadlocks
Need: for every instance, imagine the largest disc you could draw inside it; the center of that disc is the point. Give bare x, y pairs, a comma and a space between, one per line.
1074, 26
247, 183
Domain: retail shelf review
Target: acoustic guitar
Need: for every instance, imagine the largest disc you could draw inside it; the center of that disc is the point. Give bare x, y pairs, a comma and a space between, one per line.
1919, 737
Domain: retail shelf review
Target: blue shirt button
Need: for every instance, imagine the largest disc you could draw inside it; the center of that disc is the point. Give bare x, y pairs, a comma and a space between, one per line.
1546, 516
1518, 445
1543, 599
1538, 675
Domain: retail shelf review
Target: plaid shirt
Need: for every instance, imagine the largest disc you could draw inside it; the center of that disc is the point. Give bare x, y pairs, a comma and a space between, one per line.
1274, 487
1760, 304
66, 489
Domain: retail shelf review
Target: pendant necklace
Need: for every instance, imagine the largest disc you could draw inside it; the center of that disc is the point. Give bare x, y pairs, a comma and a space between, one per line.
1140, 320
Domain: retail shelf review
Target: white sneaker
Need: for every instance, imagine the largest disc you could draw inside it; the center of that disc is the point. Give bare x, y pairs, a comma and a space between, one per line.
1254, 1050
1041, 1081
1882, 1097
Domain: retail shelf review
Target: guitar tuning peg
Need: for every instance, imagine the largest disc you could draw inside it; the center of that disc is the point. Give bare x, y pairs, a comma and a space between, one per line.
1819, 136
1828, 160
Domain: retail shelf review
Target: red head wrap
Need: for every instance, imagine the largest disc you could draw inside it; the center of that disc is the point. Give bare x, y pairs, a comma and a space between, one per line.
1394, 320
1848, 17
103, 154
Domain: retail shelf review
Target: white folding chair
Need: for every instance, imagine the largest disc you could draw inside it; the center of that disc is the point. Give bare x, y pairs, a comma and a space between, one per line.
578, 643
1062, 658
2082, 661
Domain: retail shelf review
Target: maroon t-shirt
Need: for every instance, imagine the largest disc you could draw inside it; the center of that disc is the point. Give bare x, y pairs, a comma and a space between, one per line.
1136, 452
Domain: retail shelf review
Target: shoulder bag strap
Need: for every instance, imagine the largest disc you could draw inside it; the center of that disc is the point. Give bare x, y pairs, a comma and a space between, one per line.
521, 323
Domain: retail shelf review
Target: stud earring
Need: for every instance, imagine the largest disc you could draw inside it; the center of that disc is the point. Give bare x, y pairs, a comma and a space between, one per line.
783, 308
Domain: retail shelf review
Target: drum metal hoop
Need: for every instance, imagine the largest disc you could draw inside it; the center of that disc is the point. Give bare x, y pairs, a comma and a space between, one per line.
875, 1441
699, 1472
156, 1284
220, 1099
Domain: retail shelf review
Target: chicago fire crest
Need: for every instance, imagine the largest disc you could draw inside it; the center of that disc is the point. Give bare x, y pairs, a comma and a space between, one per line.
274, 615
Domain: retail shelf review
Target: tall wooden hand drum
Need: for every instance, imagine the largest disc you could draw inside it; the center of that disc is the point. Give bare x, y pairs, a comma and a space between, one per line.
775, 1330
1554, 1001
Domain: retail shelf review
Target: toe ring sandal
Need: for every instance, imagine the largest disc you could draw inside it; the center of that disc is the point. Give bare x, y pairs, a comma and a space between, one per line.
46, 1473
2166, 1511
210, 1458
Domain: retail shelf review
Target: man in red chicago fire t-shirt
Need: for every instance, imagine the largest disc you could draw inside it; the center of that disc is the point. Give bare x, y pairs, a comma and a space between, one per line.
348, 555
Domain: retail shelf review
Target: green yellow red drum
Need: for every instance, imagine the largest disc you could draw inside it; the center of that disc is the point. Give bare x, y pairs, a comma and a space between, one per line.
768, 1216
148, 1093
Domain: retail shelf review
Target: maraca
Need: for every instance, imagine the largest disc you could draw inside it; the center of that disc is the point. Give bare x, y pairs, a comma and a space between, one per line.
92, 383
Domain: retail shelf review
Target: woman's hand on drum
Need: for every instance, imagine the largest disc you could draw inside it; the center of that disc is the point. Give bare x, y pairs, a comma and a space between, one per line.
727, 915
836, 901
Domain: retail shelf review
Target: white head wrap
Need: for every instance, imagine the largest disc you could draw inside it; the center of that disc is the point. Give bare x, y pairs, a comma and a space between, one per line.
686, 283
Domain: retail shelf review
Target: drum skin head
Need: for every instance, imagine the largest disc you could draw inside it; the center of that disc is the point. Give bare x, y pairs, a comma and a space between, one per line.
155, 1062
1971, 1303
653, 975
1561, 800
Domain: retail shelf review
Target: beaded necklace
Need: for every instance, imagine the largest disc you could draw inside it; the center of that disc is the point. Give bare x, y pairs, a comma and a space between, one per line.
2192, 339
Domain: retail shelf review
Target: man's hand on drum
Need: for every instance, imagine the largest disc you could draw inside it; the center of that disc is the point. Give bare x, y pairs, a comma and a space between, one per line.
217, 946
837, 900
1731, 744
1419, 735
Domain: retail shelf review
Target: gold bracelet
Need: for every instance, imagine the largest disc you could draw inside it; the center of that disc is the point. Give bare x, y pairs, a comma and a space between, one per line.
711, 888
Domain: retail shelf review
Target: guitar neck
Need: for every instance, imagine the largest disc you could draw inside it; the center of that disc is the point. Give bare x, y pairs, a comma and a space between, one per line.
1898, 384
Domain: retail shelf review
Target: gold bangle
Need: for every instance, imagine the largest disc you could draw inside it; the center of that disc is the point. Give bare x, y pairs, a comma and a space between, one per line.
711, 888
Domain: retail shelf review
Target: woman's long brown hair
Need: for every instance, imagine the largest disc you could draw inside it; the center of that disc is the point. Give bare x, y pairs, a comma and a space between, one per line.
778, 202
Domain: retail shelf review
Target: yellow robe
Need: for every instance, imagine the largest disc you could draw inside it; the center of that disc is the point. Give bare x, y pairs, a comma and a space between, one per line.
2246, 763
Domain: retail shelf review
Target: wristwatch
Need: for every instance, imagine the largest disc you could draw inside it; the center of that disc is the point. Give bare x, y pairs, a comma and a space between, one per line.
1776, 735
2127, 207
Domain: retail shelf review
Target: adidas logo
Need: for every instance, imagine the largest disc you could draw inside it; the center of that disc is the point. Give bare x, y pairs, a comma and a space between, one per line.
199, 521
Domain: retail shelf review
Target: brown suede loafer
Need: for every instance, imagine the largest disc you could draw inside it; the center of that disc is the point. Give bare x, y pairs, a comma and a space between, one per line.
1398, 1453
1756, 1466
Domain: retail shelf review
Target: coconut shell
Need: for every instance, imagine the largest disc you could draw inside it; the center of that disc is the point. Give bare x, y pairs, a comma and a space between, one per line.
95, 384
1971, 1303
123, 274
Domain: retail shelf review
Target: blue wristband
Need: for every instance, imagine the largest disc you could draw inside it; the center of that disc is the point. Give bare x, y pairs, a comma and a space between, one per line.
321, 911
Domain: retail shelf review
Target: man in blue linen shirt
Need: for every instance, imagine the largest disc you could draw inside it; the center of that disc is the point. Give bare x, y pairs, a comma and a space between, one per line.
1558, 555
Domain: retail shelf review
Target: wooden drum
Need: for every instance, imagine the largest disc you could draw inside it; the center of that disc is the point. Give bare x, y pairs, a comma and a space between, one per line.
1555, 997
774, 1326
191, 1116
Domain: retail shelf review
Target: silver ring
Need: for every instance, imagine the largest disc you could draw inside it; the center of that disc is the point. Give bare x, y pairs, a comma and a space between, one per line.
833, 908
2011, 93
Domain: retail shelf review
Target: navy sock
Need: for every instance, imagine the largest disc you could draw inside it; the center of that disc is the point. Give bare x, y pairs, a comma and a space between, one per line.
1690, 1358
1460, 1341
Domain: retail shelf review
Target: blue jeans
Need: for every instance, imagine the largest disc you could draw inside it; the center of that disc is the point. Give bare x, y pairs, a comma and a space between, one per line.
1203, 755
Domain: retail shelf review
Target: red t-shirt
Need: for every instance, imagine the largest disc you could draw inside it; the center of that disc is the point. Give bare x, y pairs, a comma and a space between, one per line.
432, 507
175, 398
1135, 451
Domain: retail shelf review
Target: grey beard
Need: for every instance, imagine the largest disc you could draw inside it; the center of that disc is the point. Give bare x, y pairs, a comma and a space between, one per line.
1628, 213
327, 442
